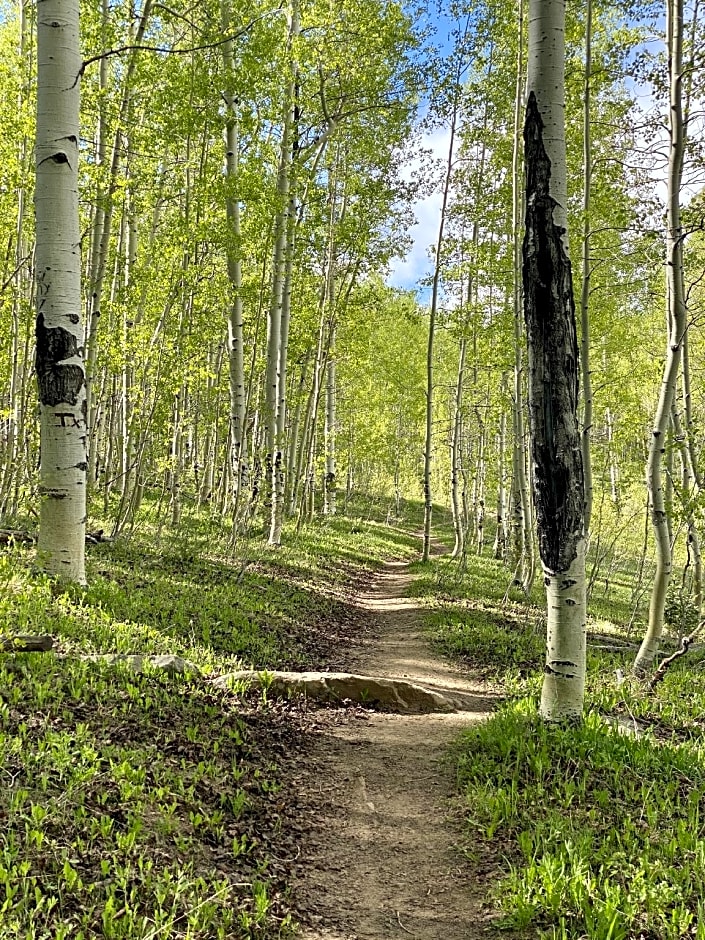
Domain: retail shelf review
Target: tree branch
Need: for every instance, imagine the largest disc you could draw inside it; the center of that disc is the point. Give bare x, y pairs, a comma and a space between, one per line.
118, 50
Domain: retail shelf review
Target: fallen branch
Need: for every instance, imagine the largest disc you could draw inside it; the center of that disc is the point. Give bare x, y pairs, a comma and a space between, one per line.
26, 644
15, 535
93, 538
664, 667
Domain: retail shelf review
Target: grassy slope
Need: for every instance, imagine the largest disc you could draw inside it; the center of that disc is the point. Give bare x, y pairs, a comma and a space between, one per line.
600, 834
146, 806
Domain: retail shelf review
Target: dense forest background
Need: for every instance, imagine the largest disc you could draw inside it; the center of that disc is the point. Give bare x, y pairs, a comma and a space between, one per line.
246, 180
210, 380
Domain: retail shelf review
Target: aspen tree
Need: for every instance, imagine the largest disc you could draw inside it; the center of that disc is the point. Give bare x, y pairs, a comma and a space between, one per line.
456, 432
61, 376
500, 540
236, 370
330, 488
102, 232
337, 218
433, 313
675, 294
455, 463
274, 456
16, 469
585, 291
553, 367
522, 542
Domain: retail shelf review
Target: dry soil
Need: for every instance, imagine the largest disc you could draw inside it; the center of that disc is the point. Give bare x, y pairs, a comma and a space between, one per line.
386, 854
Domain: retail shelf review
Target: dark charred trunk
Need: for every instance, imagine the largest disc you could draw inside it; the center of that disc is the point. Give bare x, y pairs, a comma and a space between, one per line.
549, 311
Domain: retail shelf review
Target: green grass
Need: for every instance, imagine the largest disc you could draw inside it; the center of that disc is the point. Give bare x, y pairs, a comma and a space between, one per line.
600, 833
261, 607
603, 831
149, 806
132, 807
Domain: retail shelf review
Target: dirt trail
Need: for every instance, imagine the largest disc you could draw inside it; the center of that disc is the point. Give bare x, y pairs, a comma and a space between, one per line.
382, 860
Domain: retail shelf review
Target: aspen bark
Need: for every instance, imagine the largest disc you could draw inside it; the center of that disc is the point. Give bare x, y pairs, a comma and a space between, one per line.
101, 235
500, 541
614, 469
553, 368
61, 376
688, 409
585, 292
273, 444
478, 499
686, 495
676, 319
428, 448
455, 451
522, 541
307, 460
280, 468
295, 451
16, 468
236, 371
330, 489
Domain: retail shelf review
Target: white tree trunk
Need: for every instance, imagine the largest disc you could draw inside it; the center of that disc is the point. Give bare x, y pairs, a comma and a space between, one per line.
585, 291
273, 444
455, 454
522, 541
280, 468
553, 368
500, 539
330, 489
688, 509
675, 294
61, 376
101, 236
236, 371
428, 448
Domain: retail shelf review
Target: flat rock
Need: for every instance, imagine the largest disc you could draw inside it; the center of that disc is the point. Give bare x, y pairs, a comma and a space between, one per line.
398, 694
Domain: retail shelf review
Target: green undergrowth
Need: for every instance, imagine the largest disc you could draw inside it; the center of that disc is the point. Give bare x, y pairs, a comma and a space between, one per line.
598, 829
602, 832
132, 807
151, 806
471, 619
188, 594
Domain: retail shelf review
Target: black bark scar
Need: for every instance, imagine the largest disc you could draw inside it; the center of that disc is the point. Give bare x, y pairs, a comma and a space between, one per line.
549, 311
59, 382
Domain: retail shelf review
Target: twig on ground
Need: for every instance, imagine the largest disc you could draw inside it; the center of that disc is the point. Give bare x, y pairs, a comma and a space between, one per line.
243, 569
402, 925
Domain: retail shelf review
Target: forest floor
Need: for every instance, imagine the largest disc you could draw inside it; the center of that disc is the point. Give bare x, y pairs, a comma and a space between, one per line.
385, 853
149, 805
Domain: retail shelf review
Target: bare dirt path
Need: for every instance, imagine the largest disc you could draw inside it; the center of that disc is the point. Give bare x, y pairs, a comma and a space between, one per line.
382, 858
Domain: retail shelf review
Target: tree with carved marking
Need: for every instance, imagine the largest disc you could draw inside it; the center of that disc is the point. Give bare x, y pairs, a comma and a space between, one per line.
553, 366
59, 333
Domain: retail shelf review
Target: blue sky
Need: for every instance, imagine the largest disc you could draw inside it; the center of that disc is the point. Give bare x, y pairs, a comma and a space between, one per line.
406, 272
